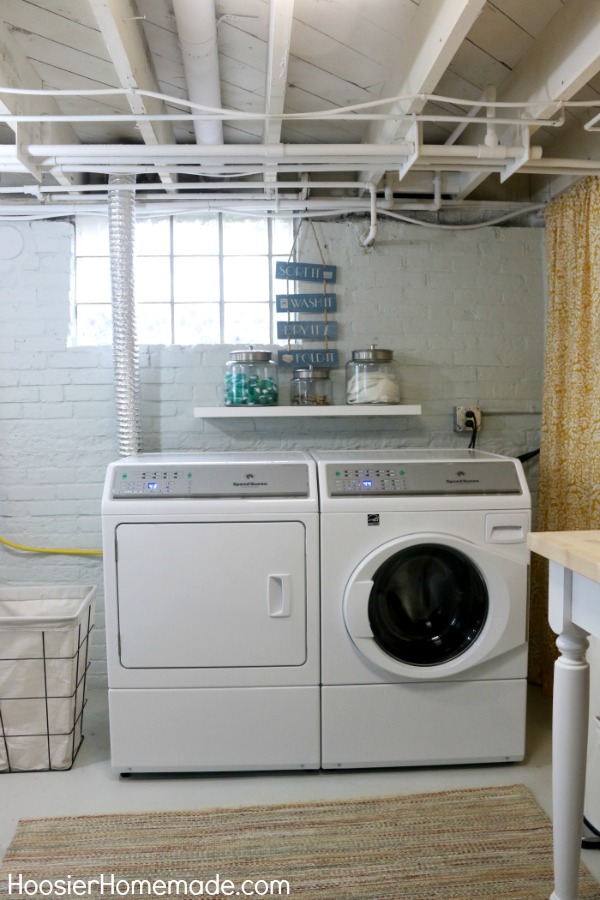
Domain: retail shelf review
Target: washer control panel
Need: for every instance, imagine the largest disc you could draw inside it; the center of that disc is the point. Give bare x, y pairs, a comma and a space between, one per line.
211, 480
422, 479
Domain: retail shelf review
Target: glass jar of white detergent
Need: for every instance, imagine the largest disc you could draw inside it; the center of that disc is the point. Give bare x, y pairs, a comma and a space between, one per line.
310, 387
371, 377
251, 379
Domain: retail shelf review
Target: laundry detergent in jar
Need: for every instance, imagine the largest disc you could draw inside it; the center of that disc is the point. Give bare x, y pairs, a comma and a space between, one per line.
371, 377
250, 378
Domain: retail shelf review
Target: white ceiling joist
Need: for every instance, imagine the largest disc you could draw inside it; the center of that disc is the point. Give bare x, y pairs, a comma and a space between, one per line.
120, 27
565, 57
438, 28
281, 15
17, 72
573, 143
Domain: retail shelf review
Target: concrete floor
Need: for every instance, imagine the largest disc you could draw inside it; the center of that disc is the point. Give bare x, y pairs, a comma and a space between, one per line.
91, 787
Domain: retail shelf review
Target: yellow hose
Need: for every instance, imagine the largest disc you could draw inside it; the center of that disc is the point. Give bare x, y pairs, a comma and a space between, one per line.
63, 550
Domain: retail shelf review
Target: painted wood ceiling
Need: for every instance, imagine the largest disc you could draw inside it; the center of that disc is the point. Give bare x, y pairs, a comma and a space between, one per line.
329, 104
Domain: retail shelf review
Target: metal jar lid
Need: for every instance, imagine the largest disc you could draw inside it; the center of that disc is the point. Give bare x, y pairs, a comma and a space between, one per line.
374, 354
250, 355
311, 373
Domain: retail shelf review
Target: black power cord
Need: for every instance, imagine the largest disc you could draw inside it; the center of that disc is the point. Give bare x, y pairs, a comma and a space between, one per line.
527, 456
471, 425
471, 422
591, 836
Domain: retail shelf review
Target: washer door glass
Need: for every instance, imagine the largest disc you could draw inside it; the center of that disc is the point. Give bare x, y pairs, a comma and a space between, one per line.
427, 605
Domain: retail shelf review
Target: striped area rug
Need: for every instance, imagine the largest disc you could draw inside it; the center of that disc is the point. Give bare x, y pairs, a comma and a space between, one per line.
456, 845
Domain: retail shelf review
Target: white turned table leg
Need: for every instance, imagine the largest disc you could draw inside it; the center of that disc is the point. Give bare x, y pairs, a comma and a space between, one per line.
569, 749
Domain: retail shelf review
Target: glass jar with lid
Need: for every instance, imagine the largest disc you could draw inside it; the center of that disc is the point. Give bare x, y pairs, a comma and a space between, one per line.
371, 377
310, 387
251, 378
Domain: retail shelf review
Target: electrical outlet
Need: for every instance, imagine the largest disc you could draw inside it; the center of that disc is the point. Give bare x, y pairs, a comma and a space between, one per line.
462, 422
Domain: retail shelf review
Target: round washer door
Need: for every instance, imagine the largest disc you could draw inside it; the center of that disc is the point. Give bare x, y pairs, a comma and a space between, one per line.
429, 605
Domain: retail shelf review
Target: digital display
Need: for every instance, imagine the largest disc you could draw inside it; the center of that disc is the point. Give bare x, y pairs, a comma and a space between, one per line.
152, 485
367, 483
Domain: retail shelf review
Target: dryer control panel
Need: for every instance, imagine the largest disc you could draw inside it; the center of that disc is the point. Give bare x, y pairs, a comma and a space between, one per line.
210, 480
423, 479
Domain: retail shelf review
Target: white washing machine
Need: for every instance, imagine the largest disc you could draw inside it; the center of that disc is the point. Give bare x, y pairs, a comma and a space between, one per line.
424, 588
212, 611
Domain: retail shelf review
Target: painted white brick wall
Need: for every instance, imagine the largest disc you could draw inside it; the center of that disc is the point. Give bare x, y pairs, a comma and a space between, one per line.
462, 310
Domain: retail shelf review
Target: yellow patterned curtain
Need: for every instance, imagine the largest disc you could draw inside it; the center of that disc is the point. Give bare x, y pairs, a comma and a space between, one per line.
569, 489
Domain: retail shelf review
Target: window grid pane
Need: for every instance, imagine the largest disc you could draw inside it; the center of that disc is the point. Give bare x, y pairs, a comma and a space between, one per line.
202, 279
196, 279
246, 279
221, 293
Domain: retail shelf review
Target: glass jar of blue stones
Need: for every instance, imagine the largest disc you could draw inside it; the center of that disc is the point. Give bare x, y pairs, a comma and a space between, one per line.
250, 379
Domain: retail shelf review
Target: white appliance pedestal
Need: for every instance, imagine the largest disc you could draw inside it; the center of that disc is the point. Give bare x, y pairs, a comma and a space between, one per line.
214, 729
373, 724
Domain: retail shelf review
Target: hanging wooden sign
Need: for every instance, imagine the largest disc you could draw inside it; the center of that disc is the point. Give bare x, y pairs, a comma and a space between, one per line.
320, 357
295, 271
301, 303
307, 331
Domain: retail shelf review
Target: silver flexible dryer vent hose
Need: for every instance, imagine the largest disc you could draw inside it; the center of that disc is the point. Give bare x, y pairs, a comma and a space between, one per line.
121, 227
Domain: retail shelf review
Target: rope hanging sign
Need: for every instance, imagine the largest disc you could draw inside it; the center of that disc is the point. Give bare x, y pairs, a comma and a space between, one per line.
322, 304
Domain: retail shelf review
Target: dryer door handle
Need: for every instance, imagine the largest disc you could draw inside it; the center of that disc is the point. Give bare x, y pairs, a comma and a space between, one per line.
279, 594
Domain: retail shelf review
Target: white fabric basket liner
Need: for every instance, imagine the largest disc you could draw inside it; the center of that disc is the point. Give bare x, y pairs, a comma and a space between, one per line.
48, 605
61, 613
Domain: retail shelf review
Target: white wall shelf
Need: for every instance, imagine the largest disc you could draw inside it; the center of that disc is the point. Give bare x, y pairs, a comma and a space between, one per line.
279, 412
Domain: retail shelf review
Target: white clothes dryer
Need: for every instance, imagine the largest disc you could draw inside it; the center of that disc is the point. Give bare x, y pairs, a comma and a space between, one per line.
212, 611
424, 590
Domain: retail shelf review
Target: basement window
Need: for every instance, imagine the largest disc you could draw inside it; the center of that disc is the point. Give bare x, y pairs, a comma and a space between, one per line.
202, 280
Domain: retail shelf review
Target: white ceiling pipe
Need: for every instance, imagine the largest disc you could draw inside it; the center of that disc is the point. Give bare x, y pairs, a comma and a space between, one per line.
344, 167
352, 155
331, 168
208, 119
550, 166
230, 172
32, 211
436, 203
341, 206
168, 98
197, 30
266, 152
208, 186
260, 201
210, 172
260, 152
491, 133
372, 233
480, 151
253, 198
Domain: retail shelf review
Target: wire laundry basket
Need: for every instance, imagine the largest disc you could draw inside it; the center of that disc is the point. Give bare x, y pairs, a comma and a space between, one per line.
45, 636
